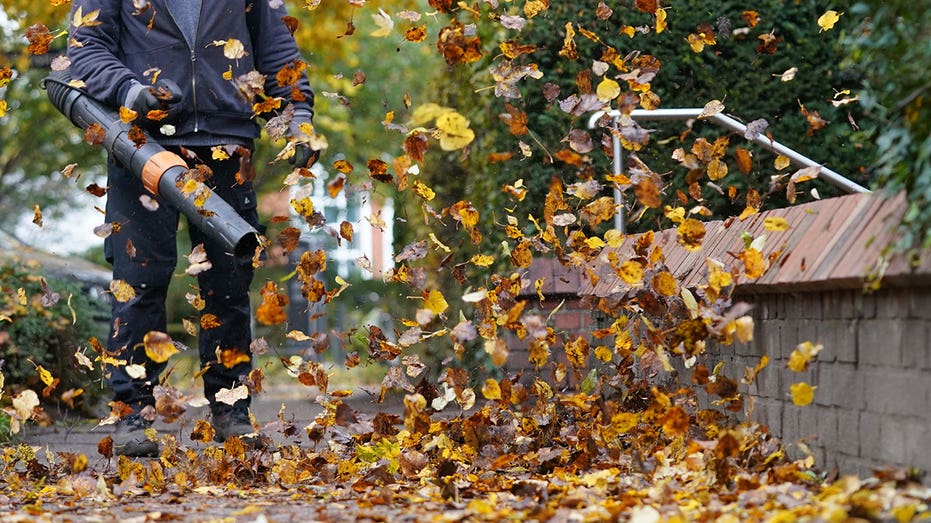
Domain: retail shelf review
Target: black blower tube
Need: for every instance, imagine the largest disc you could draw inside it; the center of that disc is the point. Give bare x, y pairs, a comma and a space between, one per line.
161, 171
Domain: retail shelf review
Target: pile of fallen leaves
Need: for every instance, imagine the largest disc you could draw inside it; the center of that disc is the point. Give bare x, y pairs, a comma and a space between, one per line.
530, 453
596, 429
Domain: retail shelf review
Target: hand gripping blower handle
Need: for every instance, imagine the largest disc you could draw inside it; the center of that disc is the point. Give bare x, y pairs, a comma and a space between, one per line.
161, 171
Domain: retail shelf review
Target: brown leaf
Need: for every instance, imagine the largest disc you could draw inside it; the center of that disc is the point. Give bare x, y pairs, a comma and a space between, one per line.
289, 238
39, 39
346, 231
291, 23
378, 170
94, 134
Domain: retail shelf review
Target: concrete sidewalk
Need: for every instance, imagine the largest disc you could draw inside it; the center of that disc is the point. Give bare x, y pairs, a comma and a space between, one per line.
79, 435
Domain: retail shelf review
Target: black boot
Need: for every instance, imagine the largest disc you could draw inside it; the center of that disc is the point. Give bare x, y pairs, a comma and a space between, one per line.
234, 421
130, 438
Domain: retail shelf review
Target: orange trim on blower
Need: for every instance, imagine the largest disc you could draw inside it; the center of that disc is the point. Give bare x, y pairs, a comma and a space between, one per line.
156, 166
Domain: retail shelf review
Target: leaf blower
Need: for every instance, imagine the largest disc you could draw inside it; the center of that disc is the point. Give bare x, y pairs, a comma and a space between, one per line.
161, 171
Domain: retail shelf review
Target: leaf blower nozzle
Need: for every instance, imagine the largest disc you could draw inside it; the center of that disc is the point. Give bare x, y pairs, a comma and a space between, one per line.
162, 172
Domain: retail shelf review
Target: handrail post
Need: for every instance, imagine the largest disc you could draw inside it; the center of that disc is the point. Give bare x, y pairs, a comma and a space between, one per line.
621, 211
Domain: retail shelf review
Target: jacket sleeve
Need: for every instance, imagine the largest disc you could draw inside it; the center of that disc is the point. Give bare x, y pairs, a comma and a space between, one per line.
275, 48
93, 51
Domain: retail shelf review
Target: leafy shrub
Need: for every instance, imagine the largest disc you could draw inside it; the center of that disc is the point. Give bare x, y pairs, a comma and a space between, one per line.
43, 323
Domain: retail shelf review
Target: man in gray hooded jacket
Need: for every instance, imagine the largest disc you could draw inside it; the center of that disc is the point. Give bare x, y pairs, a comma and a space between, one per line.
195, 74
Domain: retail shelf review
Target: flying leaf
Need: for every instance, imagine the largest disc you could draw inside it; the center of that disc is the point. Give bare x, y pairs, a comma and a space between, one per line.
828, 19
802, 393
232, 48
754, 263
803, 354
435, 302
85, 20
231, 396
691, 234
198, 260
122, 291
631, 272
711, 108
776, 223
94, 134
384, 22
755, 128
39, 39
664, 283
158, 346
608, 90
454, 132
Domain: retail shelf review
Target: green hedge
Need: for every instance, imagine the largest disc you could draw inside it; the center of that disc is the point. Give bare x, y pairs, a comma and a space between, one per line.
38, 328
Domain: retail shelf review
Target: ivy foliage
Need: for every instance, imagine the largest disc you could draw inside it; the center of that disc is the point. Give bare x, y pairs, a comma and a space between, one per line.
891, 47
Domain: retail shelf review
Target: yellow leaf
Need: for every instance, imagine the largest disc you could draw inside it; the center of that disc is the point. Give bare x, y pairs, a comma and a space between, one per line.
802, 393
624, 421
423, 190
427, 112
828, 19
664, 283
603, 353
219, 153
754, 263
297, 335
482, 260
45, 375
716, 169
82, 20
660, 20
233, 49
614, 238
436, 302
122, 291
781, 162
594, 242
690, 234
189, 187
491, 390
127, 115
802, 355
303, 207
675, 215
631, 272
454, 132
776, 223
158, 346
608, 90
748, 212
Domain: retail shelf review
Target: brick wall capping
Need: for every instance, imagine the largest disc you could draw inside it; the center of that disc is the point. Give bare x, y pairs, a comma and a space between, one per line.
830, 244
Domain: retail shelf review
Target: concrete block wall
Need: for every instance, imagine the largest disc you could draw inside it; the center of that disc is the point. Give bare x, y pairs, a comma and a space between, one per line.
872, 405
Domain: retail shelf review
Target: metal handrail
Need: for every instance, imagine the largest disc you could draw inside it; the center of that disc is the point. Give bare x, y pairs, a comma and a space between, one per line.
725, 121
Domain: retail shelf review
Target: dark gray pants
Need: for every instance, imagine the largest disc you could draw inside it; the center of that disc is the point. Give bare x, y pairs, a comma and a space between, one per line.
144, 254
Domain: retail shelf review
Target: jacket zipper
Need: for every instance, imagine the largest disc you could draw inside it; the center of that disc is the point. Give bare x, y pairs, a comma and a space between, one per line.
191, 45
194, 88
